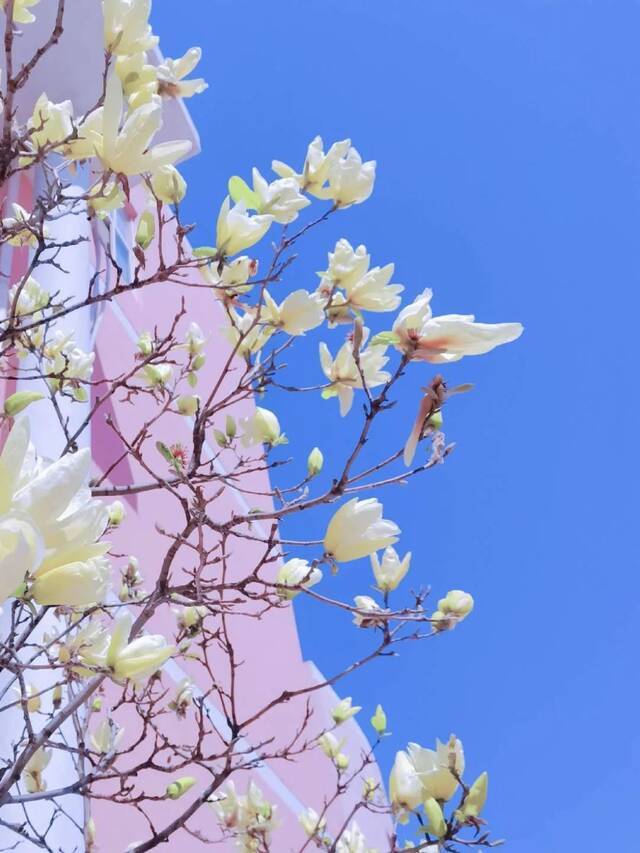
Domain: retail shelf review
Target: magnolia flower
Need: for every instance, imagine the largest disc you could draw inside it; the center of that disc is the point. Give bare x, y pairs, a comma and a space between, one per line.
350, 180
317, 166
50, 124
106, 737
436, 824
389, 571
189, 619
117, 513
280, 198
76, 584
65, 360
234, 275
434, 767
47, 518
452, 609
295, 315
311, 822
139, 658
344, 710
330, 744
32, 699
352, 840
32, 297
21, 13
405, 786
296, 573
449, 337
168, 185
32, 774
346, 265
358, 529
157, 375
171, 74
187, 404
183, 697
245, 334
315, 461
343, 374
236, 230
262, 427
23, 233
105, 197
125, 148
138, 77
126, 26
370, 613
373, 291
250, 816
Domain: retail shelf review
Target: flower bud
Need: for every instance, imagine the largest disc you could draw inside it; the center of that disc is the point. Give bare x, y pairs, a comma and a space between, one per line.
145, 343
176, 789
56, 697
146, 230
188, 404
198, 361
315, 462
230, 427
342, 761
220, 438
437, 824
311, 822
19, 401
457, 603
330, 744
116, 513
168, 185
476, 798
379, 720
344, 711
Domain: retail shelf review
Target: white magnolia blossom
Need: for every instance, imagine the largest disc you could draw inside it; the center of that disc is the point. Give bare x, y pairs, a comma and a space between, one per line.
369, 614
298, 313
343, 374
126, 26
32, 775
64, 358
194, 340
157, 375
245, 334
390, 570
282, 198
47, 517
171, 74
350, 180
449, 337
124, 147
262, 427
24, 231
346, 265
78, 584
106, 736
344, 710
234, 275
138, 659
317, 165
358, 529
50, 124
32, 298
365, 289
353, 840
168, 185
21, 13
138, 77
236, 230
250, 816
296, 573
453, 608
330, 744
433, 767
311, 822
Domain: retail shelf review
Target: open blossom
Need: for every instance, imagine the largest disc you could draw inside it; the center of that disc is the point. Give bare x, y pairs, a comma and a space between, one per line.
65, 359
296, 573
317, 166
453, 608
32, 775
281, 198
77, 584
106, 736
449, 337
262, 427
369, 614
298, 313
350, 180
352, 840
126, 26
236, 230
405, 786
330, 744
390, 570
21, 13
23, 232
344, 710
343, 374
358, 529
434, 767
245, 333
168, 184
234, 276
32, 297
312, 823
136, 659
346, 264
250, 816
47, 518
49, 125
171, 74
124, 147
365, 289
138, 77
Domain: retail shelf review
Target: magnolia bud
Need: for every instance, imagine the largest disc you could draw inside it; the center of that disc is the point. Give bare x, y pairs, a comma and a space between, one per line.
188, 404
369, 787
116, 513
220, 437
168, 185
198, 361
342, 761
176, 789
344, 711
146, 230
315, 462
145, 344
379, 720
476, 797
19, 401
230, 427
192, 379
56, 697
437, 823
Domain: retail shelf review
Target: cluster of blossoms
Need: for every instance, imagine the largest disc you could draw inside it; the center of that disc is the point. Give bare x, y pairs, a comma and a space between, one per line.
249, 817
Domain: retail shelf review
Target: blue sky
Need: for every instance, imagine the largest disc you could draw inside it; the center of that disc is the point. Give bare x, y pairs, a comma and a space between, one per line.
506, 135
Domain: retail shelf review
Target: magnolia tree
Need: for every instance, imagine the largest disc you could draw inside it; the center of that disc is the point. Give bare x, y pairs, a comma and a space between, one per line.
77, 643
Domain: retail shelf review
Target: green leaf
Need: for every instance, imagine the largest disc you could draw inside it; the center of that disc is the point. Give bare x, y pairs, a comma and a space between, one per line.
239, 191
164, 450
204, 252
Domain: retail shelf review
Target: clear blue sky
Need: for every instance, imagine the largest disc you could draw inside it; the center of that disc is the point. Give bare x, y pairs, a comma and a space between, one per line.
506, 135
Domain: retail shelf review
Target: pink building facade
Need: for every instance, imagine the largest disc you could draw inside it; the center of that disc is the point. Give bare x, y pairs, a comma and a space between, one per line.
269, 646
